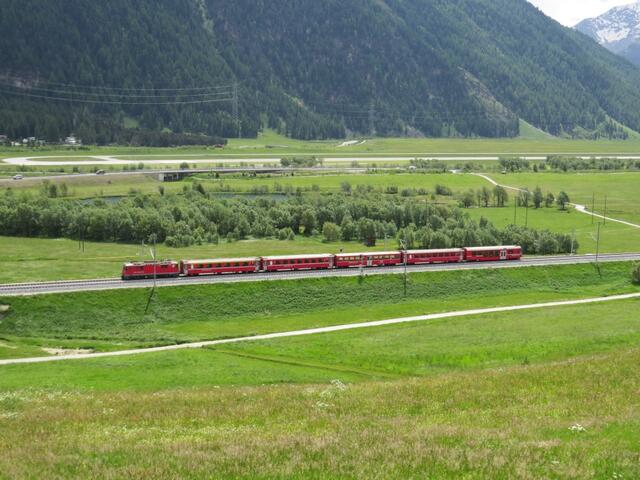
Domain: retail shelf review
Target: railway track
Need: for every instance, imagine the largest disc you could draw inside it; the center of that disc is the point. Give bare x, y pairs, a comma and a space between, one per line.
41, 288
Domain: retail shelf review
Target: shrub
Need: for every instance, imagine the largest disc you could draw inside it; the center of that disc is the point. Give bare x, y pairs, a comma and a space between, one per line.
443, 191
331, 232
635, 274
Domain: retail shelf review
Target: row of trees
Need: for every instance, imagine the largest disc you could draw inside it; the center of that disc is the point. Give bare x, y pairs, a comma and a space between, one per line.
200, 217
568, 164
499, 197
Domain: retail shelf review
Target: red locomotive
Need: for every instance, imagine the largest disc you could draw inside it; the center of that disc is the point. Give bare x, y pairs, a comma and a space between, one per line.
142, 270
191, 268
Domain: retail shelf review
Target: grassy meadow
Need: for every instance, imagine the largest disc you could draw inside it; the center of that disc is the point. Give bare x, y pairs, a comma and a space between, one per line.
530, 395
533, 394
117, 186
614, 237
620, 188
421, 349
270, 142
550, 393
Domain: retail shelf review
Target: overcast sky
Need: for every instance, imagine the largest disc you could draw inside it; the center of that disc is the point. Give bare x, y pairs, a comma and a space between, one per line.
570, 12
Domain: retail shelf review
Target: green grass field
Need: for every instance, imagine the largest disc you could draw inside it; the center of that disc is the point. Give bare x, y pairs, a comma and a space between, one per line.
270, 142
534, 394
429, 348
114, 186
614, 237
480, 342
117, 319
547, 393
619, 188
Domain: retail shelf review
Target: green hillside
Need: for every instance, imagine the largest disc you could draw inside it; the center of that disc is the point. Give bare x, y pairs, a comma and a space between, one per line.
309, 69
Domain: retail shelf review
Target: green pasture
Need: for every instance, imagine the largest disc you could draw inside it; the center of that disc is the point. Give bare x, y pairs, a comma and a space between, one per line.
564, 419
417, 349
269, 142
122, 185
485, 341
550, 393
614, 237
621, 189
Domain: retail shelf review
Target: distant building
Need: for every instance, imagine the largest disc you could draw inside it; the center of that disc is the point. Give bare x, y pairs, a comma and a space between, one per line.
33, 142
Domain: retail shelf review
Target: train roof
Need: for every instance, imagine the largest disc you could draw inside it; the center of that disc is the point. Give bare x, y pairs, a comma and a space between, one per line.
438, 250
488, 249
298, 257
222, 260
365, 254
150, 262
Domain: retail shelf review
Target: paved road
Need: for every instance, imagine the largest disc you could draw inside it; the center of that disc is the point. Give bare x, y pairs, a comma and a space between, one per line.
106, 160
115, 283
577, 206
315, 331
29, 181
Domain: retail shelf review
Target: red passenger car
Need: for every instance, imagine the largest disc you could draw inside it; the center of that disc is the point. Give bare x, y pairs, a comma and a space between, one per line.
492, 254
193, 268
423, 257
370, 259
140, 270
297, 262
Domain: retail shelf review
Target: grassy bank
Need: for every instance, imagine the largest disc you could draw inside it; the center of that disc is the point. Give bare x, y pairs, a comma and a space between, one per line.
93, 319
575, 419
419, 349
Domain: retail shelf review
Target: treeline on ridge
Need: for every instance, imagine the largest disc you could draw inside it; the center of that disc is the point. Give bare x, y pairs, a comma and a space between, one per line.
424, 67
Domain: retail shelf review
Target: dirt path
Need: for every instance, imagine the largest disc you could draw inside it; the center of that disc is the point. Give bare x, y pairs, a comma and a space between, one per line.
315, 331
577, 206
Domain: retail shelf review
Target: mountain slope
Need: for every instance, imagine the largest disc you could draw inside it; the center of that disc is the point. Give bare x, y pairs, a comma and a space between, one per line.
618, 30
309, 68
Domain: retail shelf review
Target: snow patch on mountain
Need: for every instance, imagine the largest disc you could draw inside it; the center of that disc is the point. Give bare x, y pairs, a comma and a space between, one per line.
618, 30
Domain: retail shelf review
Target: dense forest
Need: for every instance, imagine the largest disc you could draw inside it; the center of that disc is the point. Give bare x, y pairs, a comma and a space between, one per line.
198, 216
310, 69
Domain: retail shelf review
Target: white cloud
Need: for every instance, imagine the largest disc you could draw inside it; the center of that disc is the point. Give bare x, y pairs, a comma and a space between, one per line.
570, 12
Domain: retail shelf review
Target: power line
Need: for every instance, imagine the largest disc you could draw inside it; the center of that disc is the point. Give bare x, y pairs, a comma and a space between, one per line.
236, 109
135, 89
108, 102
42, 91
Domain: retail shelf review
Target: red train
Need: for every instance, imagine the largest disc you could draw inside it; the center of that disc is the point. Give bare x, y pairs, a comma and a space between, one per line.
220, 266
